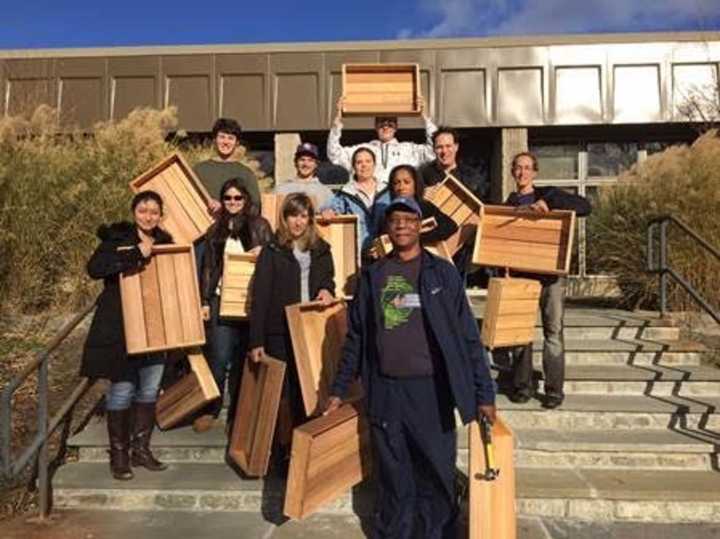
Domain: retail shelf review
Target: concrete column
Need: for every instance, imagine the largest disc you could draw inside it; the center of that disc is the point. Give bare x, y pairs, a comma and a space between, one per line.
285, 146
508, 143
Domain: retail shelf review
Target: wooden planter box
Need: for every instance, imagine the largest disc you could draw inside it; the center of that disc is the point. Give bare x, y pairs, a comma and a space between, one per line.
330, 455
256, 415
271, 204
524, 241
187, 395
492, 503
161, 302
238, 271
318, 334
341, 233
511, 312
381, 89
185, 200
461, 205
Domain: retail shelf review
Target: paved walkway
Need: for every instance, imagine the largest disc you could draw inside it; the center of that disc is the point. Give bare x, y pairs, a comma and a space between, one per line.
182, 525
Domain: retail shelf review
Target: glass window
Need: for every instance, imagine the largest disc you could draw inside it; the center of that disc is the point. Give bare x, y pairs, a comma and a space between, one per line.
574, 258
656, 147
596, 263
610, 158
557, 161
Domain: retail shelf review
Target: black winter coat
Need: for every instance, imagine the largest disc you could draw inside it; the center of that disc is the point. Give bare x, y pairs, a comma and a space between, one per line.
556, 199
277, 284
257, 233
104, 354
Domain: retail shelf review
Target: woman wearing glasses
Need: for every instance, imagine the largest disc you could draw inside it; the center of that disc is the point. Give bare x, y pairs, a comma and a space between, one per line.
238, 229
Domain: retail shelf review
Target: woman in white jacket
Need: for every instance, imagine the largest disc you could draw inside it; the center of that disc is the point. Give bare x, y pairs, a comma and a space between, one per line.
389, 152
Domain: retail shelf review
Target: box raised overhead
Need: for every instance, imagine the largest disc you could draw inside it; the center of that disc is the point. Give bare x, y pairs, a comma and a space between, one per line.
381, 89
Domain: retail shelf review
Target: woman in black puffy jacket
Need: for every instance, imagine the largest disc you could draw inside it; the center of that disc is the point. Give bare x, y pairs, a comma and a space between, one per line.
135, 381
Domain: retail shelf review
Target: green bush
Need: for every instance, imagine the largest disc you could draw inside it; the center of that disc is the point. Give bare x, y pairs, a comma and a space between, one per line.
56, 189
683, 181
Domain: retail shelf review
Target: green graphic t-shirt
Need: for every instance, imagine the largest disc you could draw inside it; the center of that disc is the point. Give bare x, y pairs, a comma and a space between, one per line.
404, 349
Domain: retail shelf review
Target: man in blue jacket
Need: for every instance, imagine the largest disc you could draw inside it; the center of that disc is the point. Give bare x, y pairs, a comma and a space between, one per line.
552, 298
415, 345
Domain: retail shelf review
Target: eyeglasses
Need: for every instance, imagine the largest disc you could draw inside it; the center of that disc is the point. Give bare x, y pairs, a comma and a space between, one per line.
386, 123
235, 198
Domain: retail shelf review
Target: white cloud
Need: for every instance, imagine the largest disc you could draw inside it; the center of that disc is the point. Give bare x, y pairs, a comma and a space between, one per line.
504, 17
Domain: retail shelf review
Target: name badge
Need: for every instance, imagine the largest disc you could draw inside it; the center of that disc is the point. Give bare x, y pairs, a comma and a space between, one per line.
410, 301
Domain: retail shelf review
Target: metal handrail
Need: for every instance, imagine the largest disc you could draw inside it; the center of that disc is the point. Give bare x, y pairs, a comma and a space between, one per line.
661, 223
12, 468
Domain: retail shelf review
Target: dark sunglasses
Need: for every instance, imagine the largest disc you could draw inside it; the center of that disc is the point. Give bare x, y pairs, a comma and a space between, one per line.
236, 198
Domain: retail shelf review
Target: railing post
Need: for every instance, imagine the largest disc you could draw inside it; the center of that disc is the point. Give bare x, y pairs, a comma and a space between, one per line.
5, 433
43, 480
663, 268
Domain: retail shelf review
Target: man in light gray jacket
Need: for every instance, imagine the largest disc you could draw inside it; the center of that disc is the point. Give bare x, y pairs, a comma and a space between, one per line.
389, 152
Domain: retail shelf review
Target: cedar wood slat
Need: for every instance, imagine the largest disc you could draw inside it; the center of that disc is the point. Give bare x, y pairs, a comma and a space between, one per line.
492, 503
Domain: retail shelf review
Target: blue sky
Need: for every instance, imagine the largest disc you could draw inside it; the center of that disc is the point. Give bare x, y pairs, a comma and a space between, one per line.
83, 23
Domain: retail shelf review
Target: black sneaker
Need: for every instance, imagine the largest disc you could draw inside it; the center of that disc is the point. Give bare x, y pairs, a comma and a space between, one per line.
552, 401
518, 397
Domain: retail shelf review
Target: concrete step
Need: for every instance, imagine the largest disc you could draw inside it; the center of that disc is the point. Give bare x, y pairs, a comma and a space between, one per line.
600, 495
615, 332
627, 352
177, 445
603, 412
660, 449
605, 323
684, 389
638, 380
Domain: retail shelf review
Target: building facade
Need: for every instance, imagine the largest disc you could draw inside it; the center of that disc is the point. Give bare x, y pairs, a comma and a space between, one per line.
589, 106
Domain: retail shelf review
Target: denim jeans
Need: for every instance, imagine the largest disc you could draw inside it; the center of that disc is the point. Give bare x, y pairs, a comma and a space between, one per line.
227, 348
552, 310
143, 389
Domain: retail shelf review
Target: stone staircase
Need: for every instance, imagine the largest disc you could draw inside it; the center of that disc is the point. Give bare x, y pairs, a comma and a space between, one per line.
636, 439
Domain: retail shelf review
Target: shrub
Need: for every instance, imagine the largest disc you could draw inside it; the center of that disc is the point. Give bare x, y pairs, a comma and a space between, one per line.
55, 190
683, 181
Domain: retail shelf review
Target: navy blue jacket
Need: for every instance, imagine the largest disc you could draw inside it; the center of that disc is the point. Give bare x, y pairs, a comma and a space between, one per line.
556, 199
447, 314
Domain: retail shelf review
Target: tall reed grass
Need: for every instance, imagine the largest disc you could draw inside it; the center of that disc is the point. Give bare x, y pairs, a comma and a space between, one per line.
683, 181
56, 189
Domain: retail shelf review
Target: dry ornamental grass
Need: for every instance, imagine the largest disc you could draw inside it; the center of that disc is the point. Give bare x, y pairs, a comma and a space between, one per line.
683, 181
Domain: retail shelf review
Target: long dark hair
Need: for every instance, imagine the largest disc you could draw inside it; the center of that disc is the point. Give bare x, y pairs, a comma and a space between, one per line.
414, 174
234, 226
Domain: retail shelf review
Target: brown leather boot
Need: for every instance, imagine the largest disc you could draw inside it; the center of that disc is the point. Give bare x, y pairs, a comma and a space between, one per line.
142, 432
118, 423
